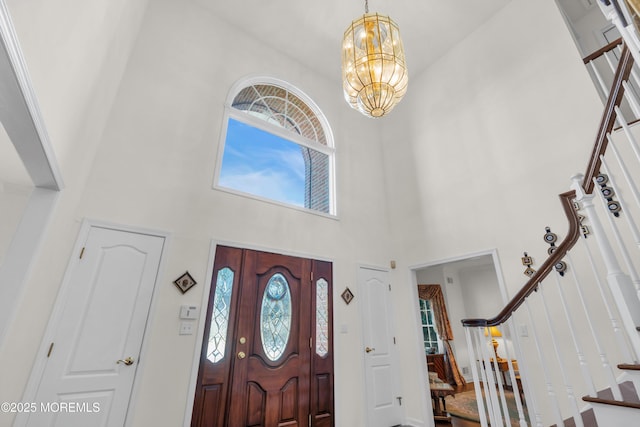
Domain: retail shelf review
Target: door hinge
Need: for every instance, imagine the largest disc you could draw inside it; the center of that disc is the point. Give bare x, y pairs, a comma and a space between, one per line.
311, 274
389, 286
310, 342
82, 252
50, 350
394, 340
309, 420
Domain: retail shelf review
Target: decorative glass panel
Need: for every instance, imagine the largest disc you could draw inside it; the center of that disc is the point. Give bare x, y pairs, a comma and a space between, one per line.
220, 315
275, 317
322, 317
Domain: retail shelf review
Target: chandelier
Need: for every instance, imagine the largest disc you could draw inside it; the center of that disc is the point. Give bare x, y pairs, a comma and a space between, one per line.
374, 71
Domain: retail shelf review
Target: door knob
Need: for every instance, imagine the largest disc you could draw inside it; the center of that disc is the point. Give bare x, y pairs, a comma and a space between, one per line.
369, 349
241, 355
128, 361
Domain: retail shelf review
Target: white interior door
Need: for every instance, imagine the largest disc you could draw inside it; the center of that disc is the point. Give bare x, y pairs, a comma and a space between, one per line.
381, 368
103, 309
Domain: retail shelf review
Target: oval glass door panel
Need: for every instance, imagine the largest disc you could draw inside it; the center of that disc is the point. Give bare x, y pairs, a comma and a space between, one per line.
275, 317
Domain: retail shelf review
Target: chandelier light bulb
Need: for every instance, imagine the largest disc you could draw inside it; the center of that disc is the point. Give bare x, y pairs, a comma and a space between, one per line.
374, 70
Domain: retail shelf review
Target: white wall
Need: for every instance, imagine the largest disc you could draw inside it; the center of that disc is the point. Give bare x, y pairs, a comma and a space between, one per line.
13, 200
497, 127
154, 168
473, 156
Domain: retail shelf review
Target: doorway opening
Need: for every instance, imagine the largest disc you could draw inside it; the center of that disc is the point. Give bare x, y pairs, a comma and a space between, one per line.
472, 287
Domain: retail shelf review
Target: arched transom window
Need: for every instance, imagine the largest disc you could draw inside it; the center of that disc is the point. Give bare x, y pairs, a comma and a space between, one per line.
278, 147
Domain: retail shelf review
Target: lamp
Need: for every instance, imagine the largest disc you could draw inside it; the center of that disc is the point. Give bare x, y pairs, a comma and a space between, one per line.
374, 71
495, 332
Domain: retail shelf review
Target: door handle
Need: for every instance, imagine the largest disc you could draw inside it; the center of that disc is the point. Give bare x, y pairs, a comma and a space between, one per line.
241, 355
128, 361
369, 349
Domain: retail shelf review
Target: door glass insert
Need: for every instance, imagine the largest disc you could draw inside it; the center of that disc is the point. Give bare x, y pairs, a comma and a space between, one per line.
322, 317
220, 315
275, 316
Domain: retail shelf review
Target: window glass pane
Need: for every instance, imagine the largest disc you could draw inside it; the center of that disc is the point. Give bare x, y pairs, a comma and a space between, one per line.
322, 317
275, 317
220, 315
262, 164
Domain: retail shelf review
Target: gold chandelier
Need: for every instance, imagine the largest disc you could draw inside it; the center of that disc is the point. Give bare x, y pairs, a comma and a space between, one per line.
374, 70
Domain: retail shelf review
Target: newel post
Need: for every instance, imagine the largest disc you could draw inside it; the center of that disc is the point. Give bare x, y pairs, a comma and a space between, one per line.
622, 289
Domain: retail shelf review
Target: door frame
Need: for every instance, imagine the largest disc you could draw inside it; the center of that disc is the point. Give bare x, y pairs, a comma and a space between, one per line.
197, 349
395, 356
424, 395
54, 319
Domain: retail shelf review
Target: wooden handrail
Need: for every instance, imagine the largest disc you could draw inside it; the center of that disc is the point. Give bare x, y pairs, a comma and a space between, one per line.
608, 118
602, 51
593, 169
566, 199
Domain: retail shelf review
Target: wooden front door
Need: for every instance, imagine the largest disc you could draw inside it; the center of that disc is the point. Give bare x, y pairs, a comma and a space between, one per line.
267, 355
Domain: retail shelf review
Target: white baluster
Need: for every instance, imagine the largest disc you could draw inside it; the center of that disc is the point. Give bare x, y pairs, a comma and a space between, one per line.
627, 132
623, 205
616, 231
629, 94
490, 387
628, 33
623, 344
526, 359
509, 333
606, 366
499, 382
553, 398
623, 291
601, 83
563, 369
582, 360
625, 171
476, 378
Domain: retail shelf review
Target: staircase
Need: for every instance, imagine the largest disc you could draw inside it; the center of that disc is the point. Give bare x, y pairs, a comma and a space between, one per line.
574, 327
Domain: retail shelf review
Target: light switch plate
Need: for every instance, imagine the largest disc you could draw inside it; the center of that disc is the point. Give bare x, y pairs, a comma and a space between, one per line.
189, 312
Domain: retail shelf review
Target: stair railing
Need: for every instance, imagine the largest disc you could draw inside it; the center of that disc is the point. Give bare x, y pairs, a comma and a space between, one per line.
578, 313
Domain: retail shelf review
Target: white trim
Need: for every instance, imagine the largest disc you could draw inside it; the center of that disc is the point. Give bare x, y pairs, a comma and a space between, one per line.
243, 116
329, 149
25, 119
272, 201
414, 295
204, 305
54, 320
397, 383
197, 350
255, 79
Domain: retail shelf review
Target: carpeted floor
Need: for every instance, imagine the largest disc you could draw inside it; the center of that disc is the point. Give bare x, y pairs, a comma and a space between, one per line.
464, 405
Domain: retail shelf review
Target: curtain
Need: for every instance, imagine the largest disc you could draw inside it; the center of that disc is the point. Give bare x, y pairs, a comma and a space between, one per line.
433, 293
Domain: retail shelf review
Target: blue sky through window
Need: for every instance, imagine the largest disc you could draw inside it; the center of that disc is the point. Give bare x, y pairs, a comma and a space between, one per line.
262, 164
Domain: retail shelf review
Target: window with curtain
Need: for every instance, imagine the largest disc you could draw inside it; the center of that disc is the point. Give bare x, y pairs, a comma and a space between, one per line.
429, 333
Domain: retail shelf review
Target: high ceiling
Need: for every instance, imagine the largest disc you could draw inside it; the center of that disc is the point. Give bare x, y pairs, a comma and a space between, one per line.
312, 31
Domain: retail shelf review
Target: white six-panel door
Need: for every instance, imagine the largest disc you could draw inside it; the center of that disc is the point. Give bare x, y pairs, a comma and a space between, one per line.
94, 355
381, 369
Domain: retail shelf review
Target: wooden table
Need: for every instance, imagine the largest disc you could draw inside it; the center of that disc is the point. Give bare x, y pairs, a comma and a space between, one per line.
438, 392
